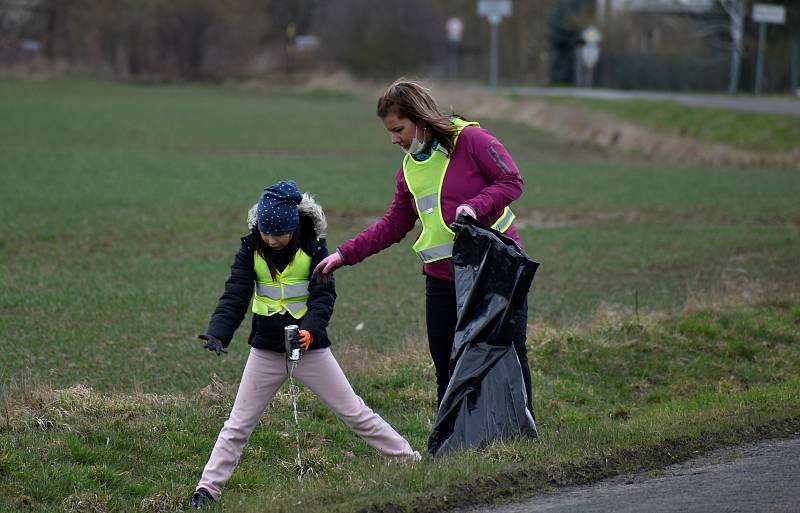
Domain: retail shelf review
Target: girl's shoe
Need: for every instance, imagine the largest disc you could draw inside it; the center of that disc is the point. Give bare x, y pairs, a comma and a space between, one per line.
201, 498
414, 457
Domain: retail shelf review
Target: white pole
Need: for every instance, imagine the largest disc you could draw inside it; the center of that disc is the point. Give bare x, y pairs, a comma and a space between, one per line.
493, 21
795, 61
762, 41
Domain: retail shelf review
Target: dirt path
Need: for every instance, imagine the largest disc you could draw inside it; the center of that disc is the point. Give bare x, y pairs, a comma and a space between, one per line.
759, 477
783, 105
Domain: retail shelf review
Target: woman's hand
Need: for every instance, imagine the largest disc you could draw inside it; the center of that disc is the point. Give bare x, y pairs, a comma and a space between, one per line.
467, 210
329, 264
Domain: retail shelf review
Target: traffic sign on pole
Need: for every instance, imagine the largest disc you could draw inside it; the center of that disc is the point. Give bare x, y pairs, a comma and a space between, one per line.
494, 11
499, 8
769, 13
763, 14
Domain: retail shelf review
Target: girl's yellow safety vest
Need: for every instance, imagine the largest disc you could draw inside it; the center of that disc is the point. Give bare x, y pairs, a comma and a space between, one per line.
424, 180
288, 292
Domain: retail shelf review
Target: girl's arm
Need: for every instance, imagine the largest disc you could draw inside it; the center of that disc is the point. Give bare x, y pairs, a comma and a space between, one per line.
391, 228
321, 295
232, 306
497, 167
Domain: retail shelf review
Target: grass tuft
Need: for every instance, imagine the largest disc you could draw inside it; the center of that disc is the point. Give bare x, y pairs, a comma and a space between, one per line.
697, 326
742, 349
166, 502
86, 502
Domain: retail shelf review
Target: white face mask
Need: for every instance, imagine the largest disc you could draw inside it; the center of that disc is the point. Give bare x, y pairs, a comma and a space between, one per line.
416, 145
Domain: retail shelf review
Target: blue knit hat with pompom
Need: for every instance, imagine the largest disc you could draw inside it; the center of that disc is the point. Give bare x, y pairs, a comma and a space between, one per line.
277, 208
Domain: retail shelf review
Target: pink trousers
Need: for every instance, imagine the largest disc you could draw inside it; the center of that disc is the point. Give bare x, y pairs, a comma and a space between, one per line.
264, 373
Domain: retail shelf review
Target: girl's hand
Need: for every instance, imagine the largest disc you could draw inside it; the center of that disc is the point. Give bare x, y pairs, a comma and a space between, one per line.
306, 338
213, 344
467, 210
329, 264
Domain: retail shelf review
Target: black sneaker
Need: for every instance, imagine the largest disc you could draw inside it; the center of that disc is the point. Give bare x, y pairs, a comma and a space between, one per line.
201, 498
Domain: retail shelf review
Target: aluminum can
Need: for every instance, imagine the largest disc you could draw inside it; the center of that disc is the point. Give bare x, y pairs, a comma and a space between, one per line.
292, 351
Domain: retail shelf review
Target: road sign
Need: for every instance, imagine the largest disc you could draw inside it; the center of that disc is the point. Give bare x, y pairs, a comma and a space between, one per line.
494, 11
494, 8
763, 14
769, 13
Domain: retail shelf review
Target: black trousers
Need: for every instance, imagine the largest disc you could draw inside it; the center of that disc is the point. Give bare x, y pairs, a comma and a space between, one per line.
440, 313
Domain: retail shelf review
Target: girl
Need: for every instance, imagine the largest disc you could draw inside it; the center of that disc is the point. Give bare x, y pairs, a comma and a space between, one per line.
276, 259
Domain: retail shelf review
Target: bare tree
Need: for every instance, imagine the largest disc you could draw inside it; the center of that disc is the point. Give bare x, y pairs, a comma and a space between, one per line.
736, 11
396, 38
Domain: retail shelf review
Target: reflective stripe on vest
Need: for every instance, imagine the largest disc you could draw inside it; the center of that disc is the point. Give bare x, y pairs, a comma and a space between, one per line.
274, 291
504, 222
288, 292
436, 253
424, 180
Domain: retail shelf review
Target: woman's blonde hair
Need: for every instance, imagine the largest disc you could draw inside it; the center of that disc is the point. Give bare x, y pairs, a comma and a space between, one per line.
410, 100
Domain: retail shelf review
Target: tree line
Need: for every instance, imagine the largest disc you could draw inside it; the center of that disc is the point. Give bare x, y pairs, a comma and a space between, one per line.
210, 40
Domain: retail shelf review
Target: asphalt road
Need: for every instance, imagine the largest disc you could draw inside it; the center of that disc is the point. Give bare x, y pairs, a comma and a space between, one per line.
770, 104
762, 477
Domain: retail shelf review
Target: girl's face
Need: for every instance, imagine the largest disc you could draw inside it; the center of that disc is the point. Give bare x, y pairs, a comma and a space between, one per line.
402, 130
276, 241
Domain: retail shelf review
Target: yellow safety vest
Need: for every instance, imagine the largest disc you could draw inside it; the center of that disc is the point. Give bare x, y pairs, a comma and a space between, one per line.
288, 292
424, 180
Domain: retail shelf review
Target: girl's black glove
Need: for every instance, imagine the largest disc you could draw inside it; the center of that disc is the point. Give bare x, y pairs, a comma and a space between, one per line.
213, 344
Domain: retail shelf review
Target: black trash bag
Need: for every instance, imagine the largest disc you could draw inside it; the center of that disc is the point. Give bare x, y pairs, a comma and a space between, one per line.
485, 398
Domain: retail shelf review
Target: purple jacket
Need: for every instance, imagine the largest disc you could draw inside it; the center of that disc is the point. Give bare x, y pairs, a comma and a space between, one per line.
481, 174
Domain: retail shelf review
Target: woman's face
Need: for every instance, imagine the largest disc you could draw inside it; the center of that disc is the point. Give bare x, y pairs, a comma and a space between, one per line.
402, 130
276, 242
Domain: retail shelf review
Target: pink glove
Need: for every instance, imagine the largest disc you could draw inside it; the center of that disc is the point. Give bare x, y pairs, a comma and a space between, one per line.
466, 209
329, 264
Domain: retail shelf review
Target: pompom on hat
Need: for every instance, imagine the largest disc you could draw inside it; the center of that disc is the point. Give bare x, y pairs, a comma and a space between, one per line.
277, 208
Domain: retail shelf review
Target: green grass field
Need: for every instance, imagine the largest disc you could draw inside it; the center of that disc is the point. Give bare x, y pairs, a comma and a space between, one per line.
665, 317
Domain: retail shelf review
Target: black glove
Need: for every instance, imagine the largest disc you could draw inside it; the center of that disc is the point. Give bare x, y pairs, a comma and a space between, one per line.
213, 344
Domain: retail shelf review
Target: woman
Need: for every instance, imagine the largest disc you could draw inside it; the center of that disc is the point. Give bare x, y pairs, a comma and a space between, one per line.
451, 166
275, 259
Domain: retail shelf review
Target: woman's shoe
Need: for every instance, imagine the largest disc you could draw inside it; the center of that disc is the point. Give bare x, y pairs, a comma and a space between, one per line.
201, 498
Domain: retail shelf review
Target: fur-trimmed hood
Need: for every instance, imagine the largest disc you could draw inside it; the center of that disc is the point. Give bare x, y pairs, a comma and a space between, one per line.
308, 209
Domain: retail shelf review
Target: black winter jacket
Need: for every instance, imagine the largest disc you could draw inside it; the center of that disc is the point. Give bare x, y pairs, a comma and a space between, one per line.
267, 331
